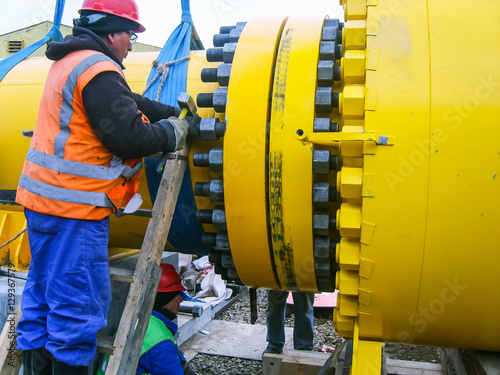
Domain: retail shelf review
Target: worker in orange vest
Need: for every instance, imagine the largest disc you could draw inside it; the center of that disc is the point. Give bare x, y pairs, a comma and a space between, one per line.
84, 163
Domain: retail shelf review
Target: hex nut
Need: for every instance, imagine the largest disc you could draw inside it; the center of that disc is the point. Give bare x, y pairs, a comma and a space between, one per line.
216, 191
227, 261
207, 129
223, 74
327, 50
228, 52
354, 34
321, 161
325, 73
241, 25
211, 129
321, 193
219, 218
321, 223
321, 125
329, 33
215, 158
234, 35
323, 99
220, 99
322, 248
322, 268
222, 241
332, 22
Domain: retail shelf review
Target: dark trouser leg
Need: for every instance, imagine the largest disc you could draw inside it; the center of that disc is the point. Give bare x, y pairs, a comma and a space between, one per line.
303, 330
37, 362
61, 368
275, 319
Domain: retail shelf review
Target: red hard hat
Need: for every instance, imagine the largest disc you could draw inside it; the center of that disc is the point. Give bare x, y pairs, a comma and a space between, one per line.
122, 8
170, 281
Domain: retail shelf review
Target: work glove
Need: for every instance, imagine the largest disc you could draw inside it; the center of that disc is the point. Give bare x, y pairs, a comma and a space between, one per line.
179, 128
194, 126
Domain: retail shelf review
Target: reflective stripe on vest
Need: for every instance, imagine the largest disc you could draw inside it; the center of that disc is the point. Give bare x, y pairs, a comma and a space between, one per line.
57, 164
67, 105
65, 195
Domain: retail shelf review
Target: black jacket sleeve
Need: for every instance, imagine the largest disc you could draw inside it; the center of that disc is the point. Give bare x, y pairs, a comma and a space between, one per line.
155, 111
116, 119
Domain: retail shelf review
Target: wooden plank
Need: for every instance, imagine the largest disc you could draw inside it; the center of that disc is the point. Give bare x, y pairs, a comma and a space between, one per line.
329, 366
105, 344
129, 332
293, 362
396, 366
121, 274
452, 363
487, 363
10, 358
140, 320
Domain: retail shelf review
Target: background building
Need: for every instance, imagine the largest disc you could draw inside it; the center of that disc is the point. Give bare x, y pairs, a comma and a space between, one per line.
16, 40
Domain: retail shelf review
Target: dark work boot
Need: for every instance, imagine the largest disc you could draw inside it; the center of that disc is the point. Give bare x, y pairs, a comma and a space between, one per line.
37, 362
61, 368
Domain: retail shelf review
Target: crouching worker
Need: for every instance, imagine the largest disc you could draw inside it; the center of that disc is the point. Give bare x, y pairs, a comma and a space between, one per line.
160, 354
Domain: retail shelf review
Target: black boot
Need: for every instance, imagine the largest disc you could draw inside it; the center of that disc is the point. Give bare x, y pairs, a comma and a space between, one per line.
61, 368
37, 362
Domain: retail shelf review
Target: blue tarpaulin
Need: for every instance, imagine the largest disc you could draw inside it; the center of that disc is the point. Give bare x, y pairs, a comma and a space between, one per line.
185, 231
54, 34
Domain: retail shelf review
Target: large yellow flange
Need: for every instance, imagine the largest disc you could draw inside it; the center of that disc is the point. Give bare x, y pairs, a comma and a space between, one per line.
290, 161
245, 149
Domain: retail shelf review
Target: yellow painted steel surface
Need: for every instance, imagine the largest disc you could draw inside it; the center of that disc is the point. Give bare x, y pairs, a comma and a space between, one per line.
245, 151
290, 193
418, 145
15, 252
429, 227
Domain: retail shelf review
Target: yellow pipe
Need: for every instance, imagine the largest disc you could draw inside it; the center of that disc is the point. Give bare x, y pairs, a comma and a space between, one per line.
418, 243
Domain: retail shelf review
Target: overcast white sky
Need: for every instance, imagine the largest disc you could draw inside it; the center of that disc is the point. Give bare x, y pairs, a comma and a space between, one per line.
160, 17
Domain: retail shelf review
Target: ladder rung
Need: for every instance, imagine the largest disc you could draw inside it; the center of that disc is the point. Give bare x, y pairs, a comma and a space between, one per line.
121, 274
105, 344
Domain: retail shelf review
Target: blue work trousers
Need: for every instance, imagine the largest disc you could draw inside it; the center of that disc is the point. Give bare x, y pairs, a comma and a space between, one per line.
303, 330
68, 292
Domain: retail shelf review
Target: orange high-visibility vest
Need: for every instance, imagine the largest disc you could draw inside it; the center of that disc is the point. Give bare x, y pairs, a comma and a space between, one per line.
68, 172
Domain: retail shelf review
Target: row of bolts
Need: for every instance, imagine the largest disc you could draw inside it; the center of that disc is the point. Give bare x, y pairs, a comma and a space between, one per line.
211, 129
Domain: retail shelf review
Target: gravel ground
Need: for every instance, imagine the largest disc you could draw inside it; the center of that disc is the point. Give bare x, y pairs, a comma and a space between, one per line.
324, 334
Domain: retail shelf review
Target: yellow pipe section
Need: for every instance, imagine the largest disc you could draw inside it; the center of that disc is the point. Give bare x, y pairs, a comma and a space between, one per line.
418, 180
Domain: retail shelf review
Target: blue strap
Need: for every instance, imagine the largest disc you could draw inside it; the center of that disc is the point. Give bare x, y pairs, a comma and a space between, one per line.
186, 231
54, 34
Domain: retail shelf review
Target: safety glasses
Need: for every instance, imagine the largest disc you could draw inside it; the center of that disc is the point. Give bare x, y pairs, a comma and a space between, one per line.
132, 37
